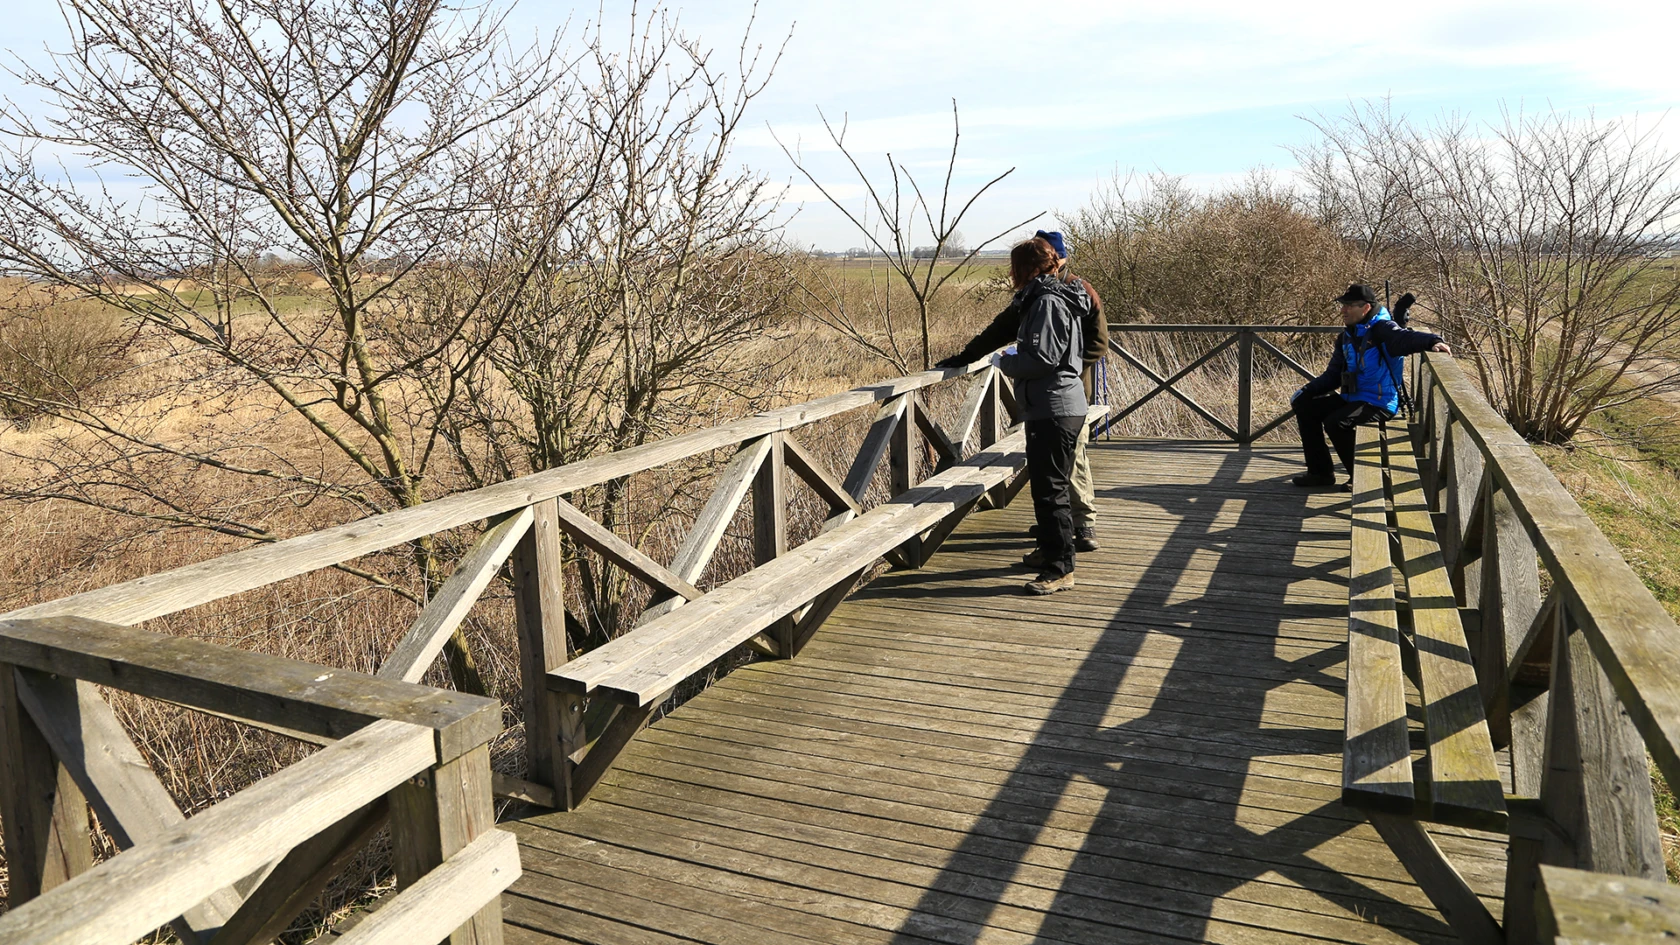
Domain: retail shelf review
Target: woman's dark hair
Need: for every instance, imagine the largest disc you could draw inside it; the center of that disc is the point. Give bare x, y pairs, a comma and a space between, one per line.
1030, 259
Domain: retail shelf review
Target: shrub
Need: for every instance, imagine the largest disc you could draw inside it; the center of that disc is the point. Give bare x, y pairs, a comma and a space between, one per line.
1158, 251
54, 350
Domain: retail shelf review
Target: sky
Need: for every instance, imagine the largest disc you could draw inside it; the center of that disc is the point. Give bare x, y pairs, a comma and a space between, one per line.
1083, 91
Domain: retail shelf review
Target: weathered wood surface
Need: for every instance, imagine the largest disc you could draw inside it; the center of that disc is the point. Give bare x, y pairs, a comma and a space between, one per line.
132, 804
1630, 633
641, 667
436, 816
451, 604
1153, 756
148, 885
445, 898
1592, 909
270, 690
1464, 778
42, 810
1377, 756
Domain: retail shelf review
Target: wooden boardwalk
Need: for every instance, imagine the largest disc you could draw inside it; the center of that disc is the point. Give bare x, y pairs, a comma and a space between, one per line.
1154, 756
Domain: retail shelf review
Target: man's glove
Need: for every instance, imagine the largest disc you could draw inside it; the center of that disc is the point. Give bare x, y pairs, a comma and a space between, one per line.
955, 360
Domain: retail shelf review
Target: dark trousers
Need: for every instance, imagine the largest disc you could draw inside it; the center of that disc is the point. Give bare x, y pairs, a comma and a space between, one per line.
1051, 445
1330, 414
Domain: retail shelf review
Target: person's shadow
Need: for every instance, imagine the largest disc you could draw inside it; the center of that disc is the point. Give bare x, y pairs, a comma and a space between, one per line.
1197, 821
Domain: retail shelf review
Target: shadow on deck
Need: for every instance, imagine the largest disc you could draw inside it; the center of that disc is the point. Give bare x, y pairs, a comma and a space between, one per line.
1155, 755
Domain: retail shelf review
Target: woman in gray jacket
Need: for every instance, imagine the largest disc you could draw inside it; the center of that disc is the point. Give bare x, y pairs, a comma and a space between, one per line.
1045, 367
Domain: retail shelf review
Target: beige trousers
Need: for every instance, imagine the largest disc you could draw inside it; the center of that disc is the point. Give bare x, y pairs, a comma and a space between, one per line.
1082, 491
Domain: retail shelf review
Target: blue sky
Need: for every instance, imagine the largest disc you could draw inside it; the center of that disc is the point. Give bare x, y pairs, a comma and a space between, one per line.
1205, 90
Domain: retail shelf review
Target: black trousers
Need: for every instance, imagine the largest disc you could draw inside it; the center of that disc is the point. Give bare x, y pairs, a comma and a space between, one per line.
1330, 415
1051, 445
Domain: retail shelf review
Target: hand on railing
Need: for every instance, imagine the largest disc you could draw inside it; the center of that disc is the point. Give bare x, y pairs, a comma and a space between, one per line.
1442, 348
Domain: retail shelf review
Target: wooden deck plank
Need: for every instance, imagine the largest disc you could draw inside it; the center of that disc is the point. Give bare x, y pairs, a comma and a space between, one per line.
1113, 901
1153, 756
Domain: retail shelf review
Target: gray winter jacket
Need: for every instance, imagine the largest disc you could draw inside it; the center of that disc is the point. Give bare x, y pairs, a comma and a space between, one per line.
1048, 350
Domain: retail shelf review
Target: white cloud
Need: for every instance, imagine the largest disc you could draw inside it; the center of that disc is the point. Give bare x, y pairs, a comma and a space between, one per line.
1066, 92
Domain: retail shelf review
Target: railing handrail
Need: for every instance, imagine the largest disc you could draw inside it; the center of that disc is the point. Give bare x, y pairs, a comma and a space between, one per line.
90, 635
410, 755
1582, 682
148, 885
179, 589
1246, 338
1632, 635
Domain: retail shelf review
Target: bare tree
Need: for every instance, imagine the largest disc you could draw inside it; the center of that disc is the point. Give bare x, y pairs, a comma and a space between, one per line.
1537, 242
352, 137
901, 209
658, 296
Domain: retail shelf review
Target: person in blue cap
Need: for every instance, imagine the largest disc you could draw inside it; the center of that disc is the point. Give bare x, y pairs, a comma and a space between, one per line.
1360, 386
1002, 331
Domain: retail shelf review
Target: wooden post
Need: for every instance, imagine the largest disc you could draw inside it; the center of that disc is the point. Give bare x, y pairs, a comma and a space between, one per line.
540, 616
904, 450
1465, 567
1461, 488
1533, 734
1245, 385
1509, 598
436, 814
43, 814
991, 410
1427, 443
769, 508
1596, 788
1616, 826
1445, 471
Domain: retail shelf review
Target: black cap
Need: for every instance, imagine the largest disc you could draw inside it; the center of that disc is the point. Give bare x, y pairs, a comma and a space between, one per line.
1358, 293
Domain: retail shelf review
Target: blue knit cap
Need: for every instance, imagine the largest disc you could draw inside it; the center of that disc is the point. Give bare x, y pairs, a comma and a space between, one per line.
1056, 241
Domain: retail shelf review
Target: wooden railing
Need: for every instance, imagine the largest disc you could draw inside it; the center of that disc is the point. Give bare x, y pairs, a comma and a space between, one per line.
1578, 668
417, 757
409, 756
1247, 339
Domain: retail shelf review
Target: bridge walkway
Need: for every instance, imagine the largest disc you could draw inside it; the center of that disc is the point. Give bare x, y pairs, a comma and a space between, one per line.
1153, 756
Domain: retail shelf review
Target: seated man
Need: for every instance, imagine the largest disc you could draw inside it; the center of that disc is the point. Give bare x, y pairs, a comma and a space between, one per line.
1361, 385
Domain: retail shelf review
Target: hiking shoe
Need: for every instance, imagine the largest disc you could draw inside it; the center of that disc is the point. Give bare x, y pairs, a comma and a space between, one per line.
1034, 559
1313, 481
1085, 539
1049, 584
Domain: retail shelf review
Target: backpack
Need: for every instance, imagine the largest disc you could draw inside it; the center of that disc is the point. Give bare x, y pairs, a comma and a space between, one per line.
1398, 316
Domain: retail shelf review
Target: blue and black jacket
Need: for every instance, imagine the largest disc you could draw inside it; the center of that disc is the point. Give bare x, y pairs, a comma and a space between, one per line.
1374, 350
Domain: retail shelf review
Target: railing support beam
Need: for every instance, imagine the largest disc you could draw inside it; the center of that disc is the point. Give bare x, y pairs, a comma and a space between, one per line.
540, 621
1245, 386
42, 811
435, 815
